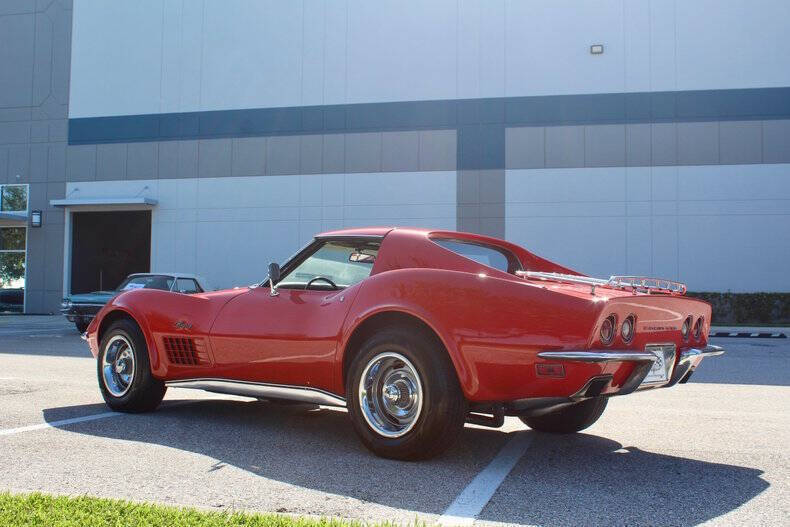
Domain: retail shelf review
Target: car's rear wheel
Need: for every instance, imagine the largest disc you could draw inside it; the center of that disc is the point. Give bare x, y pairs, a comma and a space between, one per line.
403, 396
569, 419
124, 370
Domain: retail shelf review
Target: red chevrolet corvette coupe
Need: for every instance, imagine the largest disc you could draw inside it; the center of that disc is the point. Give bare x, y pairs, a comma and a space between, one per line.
414, 331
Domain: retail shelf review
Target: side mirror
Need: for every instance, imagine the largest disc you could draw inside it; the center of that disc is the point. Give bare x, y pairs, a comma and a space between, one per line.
274, 277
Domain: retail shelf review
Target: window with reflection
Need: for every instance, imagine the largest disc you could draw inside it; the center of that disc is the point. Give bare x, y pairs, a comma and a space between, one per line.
13, 198
335, 264
490, 256
187, 286
148, 281
12, 268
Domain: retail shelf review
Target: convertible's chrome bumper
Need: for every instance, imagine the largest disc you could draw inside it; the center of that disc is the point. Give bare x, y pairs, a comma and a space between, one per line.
599, 356
685, 365
689, 360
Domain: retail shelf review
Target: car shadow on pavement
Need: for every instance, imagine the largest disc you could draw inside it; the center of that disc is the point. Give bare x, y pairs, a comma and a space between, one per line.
575, 479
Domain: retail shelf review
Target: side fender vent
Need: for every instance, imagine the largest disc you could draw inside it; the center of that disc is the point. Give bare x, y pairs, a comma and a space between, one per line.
185, 351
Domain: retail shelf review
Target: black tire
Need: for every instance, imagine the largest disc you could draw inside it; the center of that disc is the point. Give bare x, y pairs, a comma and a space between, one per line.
144, 392
569, 419
444, 408
81, 325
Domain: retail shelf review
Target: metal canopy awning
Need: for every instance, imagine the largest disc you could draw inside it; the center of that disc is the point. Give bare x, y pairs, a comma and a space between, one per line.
20, 217
76, 202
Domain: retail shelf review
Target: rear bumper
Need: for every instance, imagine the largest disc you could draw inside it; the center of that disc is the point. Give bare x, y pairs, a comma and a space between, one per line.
689, 360
685, 364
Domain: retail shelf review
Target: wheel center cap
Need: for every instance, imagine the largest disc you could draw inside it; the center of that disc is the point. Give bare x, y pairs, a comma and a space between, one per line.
391, 393
120, 366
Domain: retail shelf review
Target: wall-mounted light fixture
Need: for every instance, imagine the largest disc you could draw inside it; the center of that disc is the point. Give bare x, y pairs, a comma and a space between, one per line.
596, 49
35, 218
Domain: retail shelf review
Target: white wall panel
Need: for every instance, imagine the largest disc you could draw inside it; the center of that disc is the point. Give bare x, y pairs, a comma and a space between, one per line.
313, 40
733, 44
492, 48
173, 19
639, 253
228, 229
468, 38
663, 46
717, 228
636, 45
548, 47
166, 55
116, 59
252, 52
400, 50
189, 53
335, 31
735, 252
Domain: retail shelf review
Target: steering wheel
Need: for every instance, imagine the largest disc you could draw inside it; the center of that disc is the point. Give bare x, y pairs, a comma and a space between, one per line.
323, 279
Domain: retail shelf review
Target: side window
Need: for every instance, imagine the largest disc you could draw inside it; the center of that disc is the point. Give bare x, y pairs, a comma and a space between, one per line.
13, 198
345, 263
187, 286
482, 254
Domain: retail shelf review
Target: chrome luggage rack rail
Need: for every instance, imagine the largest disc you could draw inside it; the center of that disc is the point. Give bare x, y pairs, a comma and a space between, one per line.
641, 284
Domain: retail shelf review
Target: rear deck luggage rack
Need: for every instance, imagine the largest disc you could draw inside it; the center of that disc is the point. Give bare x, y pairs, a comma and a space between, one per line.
640, 284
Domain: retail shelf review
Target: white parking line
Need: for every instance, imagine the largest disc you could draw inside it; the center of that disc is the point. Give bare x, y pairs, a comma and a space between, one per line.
56, 424
465, 508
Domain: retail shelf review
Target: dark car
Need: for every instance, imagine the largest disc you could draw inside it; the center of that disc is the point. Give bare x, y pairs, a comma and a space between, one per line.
12, 300
81, 308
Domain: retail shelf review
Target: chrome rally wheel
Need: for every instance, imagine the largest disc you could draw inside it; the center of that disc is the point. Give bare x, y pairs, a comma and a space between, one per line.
403, 395
390, 394
118, 366
124, 369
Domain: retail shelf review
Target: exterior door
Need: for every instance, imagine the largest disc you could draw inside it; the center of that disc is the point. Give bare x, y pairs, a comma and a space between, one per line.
291, 338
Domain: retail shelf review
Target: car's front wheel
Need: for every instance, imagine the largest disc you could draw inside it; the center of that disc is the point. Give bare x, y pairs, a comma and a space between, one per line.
403, 396
569, 419
124, 370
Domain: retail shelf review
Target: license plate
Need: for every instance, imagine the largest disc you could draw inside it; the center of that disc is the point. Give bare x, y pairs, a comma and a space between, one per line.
662, 367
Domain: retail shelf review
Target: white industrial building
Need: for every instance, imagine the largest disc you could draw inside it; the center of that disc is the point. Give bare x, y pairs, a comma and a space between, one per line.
213, 136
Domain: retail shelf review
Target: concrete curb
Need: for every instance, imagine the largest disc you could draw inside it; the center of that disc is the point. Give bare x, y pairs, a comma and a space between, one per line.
748, 335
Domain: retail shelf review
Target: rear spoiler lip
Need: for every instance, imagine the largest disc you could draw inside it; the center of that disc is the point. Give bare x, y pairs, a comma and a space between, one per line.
637, 284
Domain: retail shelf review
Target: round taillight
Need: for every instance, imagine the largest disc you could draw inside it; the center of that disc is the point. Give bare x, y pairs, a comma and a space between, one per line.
684, 329
608, 330
697, 329
627, 329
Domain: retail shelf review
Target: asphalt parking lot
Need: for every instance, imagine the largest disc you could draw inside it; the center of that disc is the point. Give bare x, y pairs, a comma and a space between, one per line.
713, 450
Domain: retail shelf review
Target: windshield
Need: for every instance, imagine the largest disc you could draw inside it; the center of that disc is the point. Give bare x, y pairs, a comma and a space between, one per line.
150, 281
344, 263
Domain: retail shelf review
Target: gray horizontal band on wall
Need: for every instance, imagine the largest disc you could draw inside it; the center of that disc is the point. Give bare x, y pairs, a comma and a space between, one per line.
648, 144
406, 151
608, 108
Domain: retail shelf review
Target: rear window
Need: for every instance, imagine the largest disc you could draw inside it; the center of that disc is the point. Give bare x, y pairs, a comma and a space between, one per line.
187, 286
483, 254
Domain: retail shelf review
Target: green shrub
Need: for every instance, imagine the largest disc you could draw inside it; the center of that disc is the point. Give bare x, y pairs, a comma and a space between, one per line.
758, 309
